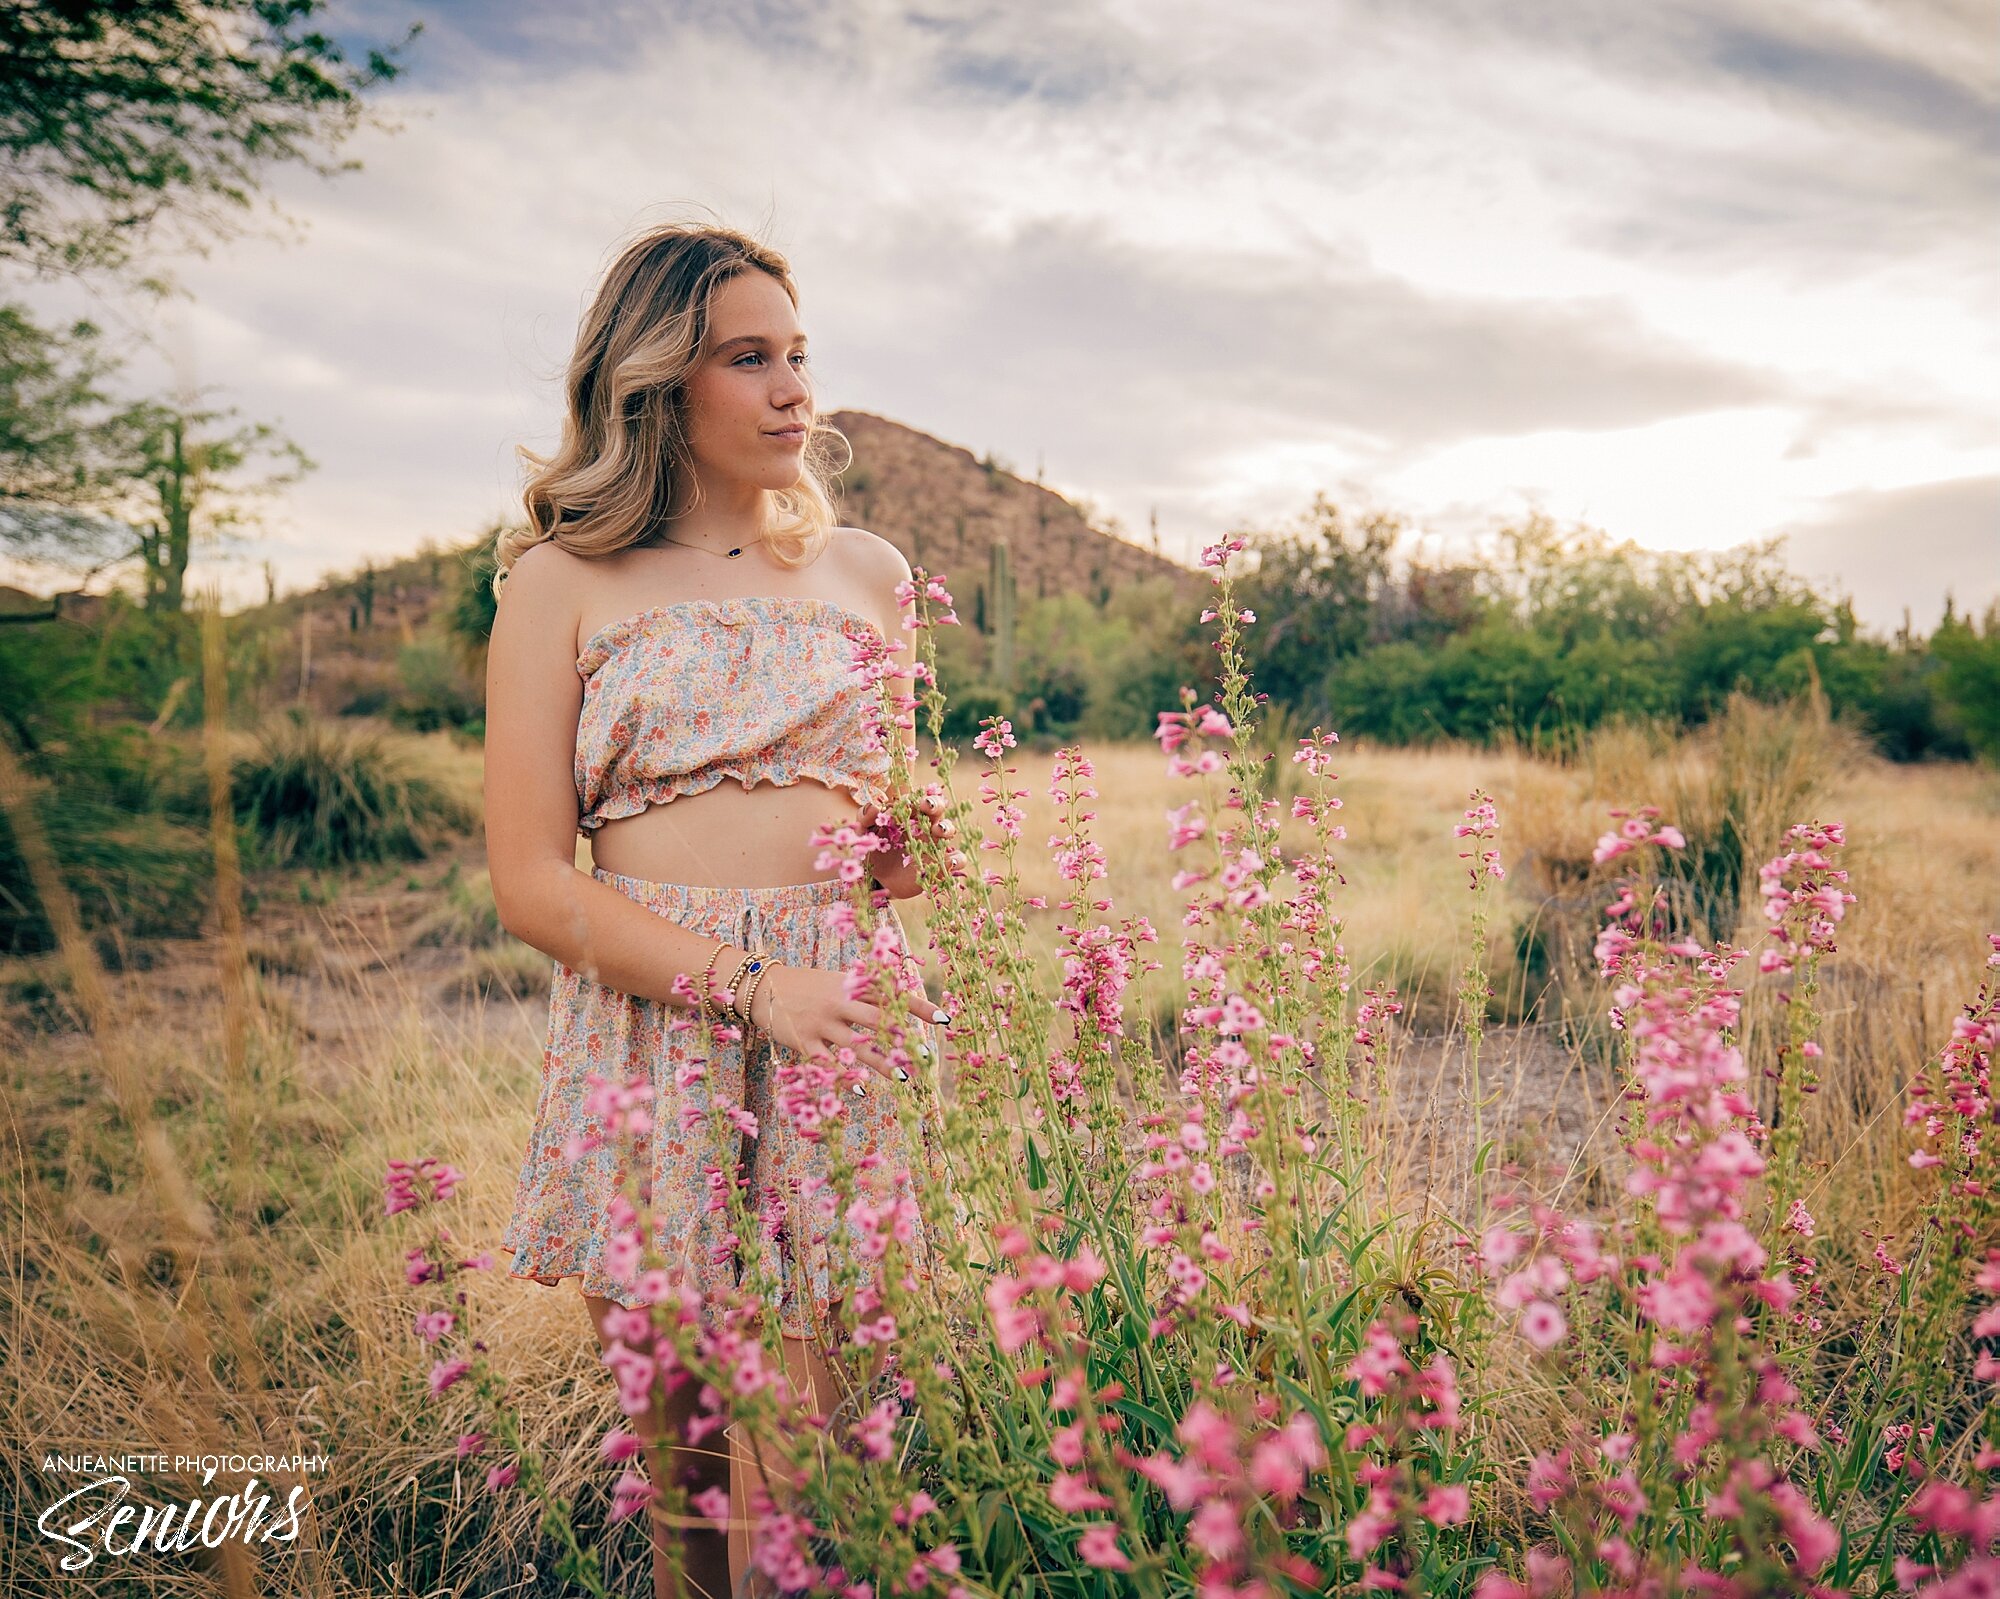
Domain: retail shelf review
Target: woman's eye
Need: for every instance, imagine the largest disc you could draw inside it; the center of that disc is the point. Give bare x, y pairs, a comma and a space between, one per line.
801, 357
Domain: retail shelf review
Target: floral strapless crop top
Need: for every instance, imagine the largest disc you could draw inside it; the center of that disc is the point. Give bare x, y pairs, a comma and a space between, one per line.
758, 688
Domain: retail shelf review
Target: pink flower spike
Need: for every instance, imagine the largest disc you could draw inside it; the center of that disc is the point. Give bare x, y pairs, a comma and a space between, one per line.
619, 1446
1071, 1493
431, 1325
499, 1478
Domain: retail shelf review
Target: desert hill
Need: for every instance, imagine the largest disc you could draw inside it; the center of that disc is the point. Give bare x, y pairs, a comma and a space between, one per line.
355, 643
945, 509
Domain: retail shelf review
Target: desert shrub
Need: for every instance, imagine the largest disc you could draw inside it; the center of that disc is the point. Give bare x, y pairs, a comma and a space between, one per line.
436, 690
145, 875
1098, 670
1756, 769
125, 820
963, 716
317, 794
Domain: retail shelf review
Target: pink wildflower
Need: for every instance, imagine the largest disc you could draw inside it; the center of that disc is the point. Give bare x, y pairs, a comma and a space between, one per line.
1098, 1547
1448, 1504
1543, 1325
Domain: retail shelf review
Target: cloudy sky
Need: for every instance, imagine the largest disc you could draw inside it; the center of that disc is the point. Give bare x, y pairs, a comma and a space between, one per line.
1692, 272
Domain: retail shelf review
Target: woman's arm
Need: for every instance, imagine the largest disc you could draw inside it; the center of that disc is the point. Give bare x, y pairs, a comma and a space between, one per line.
533, 701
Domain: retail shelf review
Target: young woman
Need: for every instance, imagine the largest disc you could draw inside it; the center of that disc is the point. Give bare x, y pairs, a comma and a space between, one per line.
671, 673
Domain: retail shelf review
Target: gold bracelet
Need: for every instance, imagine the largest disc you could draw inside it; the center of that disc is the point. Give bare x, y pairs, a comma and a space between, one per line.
750, 999
752, 965
703, 1004
722, 1007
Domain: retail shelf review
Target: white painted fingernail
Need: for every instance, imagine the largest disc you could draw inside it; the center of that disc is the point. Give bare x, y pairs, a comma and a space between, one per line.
859, 1091
939, 1017
901, 1075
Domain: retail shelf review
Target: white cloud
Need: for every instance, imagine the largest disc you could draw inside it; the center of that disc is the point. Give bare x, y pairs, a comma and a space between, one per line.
1901, 551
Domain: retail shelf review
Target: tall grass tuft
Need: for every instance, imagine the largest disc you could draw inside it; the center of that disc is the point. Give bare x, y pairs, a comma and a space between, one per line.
316, 794
1746, 776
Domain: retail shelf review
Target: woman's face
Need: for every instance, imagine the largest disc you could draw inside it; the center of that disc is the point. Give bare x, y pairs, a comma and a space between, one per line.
748, 398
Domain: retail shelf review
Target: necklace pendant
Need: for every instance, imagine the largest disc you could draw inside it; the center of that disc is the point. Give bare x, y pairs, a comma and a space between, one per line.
734, 553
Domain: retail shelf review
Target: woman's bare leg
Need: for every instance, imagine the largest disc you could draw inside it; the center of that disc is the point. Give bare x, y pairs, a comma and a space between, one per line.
814, 1381
705, 1554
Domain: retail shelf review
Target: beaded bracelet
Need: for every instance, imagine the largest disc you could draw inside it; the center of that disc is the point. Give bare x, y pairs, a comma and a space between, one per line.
750, 999
754, 966
703, 1002
722, 1008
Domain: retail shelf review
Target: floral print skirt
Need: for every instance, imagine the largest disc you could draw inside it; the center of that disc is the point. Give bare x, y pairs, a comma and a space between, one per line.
561, 1222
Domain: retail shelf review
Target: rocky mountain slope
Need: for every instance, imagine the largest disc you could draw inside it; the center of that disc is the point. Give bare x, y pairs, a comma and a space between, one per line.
346, 642
945, 509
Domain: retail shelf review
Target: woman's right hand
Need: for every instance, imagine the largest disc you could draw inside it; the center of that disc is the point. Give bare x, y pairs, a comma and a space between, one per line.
806, 1008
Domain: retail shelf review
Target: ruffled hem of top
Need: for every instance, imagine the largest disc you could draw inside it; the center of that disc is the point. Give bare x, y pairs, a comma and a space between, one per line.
613, 636
632, 798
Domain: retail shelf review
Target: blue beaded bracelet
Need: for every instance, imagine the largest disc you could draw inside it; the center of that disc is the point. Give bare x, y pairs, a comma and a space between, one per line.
750, 968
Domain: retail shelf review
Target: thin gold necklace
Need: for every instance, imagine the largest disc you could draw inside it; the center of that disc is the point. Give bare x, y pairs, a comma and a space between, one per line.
728, 555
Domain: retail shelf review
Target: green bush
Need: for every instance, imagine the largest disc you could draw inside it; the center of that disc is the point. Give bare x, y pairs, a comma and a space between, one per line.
144, 874
1969, 684
436, 692
316, 794
125, 817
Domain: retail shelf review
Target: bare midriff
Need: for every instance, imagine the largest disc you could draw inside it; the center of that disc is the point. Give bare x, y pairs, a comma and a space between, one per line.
726, 836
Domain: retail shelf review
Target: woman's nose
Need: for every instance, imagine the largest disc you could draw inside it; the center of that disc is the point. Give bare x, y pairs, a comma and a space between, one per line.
791, 389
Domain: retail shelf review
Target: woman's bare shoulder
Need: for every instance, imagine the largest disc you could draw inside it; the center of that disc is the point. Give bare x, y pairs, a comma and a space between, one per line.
545, 586
873, 556
544, 569
877, 570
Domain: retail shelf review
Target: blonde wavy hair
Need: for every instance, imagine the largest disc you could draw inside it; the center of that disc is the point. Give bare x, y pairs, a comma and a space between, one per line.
621, 470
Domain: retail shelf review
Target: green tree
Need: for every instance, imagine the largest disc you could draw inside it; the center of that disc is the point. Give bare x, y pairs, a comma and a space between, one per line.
473, 604
64, 444
190, 482
1576, 584
1315, 590
130, 122
1969, 678
1891, 691
87, 484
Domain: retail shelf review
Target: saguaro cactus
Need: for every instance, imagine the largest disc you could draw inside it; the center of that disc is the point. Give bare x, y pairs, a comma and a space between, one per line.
1000, 613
